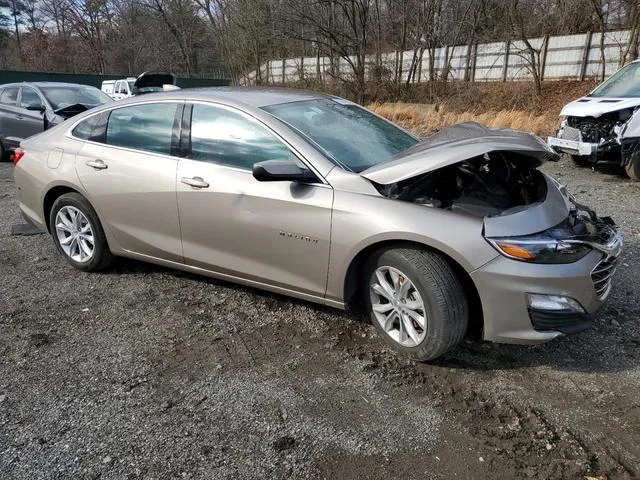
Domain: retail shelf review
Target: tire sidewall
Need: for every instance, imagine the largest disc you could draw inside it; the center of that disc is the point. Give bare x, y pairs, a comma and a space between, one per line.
633, 168
435, 316
101, 248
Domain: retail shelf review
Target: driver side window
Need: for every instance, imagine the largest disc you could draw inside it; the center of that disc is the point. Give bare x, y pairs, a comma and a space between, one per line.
221, 136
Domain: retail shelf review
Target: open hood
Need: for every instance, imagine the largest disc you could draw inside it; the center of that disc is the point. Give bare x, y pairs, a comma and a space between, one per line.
598, 106
457, 144
153, 82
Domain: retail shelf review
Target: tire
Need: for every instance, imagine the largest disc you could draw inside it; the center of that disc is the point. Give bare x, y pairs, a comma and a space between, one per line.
633, 168
580, 160
432, 282
74, 228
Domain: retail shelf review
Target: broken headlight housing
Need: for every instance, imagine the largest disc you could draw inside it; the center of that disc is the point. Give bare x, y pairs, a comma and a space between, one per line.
540, 249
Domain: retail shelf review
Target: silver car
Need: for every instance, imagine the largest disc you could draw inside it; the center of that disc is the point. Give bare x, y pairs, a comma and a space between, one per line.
312, 196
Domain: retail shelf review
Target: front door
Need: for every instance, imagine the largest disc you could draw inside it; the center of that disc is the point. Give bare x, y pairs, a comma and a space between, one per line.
32, 118
272, 232
130, 177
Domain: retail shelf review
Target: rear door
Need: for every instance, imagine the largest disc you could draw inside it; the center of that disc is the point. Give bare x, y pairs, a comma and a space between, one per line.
32, 120
272, 232
129, 173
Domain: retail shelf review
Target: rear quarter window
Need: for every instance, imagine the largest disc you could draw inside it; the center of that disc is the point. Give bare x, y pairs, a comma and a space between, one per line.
84, 130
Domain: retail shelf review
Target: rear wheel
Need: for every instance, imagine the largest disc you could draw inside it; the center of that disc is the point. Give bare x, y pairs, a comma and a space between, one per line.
580, 160
633, 168
416, 302
78, 234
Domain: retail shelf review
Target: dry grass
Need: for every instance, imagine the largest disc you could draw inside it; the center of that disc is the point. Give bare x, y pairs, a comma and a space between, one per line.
424, 119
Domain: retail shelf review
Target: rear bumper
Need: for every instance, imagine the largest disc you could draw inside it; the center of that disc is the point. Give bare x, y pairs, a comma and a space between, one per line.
572, 147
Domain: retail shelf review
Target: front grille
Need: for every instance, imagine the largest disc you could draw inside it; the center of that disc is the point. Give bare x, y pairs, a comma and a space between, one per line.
593, 130
570, 133
601, 276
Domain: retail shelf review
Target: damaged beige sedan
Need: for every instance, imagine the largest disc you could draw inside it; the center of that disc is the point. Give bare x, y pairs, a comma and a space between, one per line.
312, 196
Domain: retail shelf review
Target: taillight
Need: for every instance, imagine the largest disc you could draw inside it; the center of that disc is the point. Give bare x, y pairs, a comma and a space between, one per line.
17, 155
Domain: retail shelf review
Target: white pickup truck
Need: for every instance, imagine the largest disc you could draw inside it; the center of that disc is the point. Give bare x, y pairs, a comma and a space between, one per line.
605, 124
145, 83
119, 89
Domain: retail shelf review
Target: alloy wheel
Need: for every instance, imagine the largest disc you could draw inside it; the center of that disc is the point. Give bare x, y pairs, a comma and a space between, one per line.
75, 234
398, 306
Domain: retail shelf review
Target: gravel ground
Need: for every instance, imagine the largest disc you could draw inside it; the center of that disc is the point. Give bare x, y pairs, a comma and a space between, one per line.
144, 372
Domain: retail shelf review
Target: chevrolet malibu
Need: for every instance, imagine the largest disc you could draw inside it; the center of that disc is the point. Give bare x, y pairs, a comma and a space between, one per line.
312, 196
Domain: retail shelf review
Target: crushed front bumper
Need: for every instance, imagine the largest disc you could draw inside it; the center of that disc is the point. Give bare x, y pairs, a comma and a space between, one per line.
573, 147
503, 285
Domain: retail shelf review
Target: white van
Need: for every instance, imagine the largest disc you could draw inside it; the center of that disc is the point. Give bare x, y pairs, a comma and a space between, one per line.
119, 89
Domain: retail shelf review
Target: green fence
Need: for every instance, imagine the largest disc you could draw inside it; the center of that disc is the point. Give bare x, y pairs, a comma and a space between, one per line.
12, 76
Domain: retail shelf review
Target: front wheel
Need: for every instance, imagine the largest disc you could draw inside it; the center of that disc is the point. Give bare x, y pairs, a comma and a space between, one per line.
633, 168
416, 302
78, 234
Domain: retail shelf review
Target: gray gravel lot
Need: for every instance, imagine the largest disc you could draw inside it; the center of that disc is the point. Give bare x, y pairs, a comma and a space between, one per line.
144, 372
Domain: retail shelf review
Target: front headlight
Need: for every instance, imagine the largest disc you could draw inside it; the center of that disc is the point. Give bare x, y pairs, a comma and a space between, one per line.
536, 249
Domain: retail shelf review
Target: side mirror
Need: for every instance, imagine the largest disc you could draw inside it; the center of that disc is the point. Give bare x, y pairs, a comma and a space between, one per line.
282, 170
36, 107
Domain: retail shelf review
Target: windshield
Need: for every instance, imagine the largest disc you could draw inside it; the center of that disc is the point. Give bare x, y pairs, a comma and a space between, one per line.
353, 137
624, 83
64, 96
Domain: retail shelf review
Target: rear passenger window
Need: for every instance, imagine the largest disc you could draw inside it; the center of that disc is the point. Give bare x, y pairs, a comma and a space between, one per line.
146, 127
9, 96
221, 136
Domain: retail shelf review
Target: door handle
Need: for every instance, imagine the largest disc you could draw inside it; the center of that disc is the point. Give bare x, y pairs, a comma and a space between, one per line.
196, 182
97, 164
19, 116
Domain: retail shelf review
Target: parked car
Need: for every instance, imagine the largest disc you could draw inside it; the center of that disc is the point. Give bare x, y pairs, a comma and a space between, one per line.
30, 108
605, 124
148, 82
312, 196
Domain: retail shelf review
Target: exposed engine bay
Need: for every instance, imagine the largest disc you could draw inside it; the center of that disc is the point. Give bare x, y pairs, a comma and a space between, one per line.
492, 184
602, 129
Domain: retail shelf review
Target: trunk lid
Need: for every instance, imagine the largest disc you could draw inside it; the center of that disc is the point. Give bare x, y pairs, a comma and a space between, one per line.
152, 82
457, 144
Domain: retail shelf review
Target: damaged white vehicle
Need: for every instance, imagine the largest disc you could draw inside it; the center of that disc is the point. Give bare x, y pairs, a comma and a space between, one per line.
604, 126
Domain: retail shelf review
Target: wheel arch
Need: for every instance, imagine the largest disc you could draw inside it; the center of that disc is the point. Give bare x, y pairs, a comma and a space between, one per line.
353, 284
50, 197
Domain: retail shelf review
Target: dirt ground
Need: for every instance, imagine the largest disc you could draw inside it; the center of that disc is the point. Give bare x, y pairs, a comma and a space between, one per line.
144, 372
